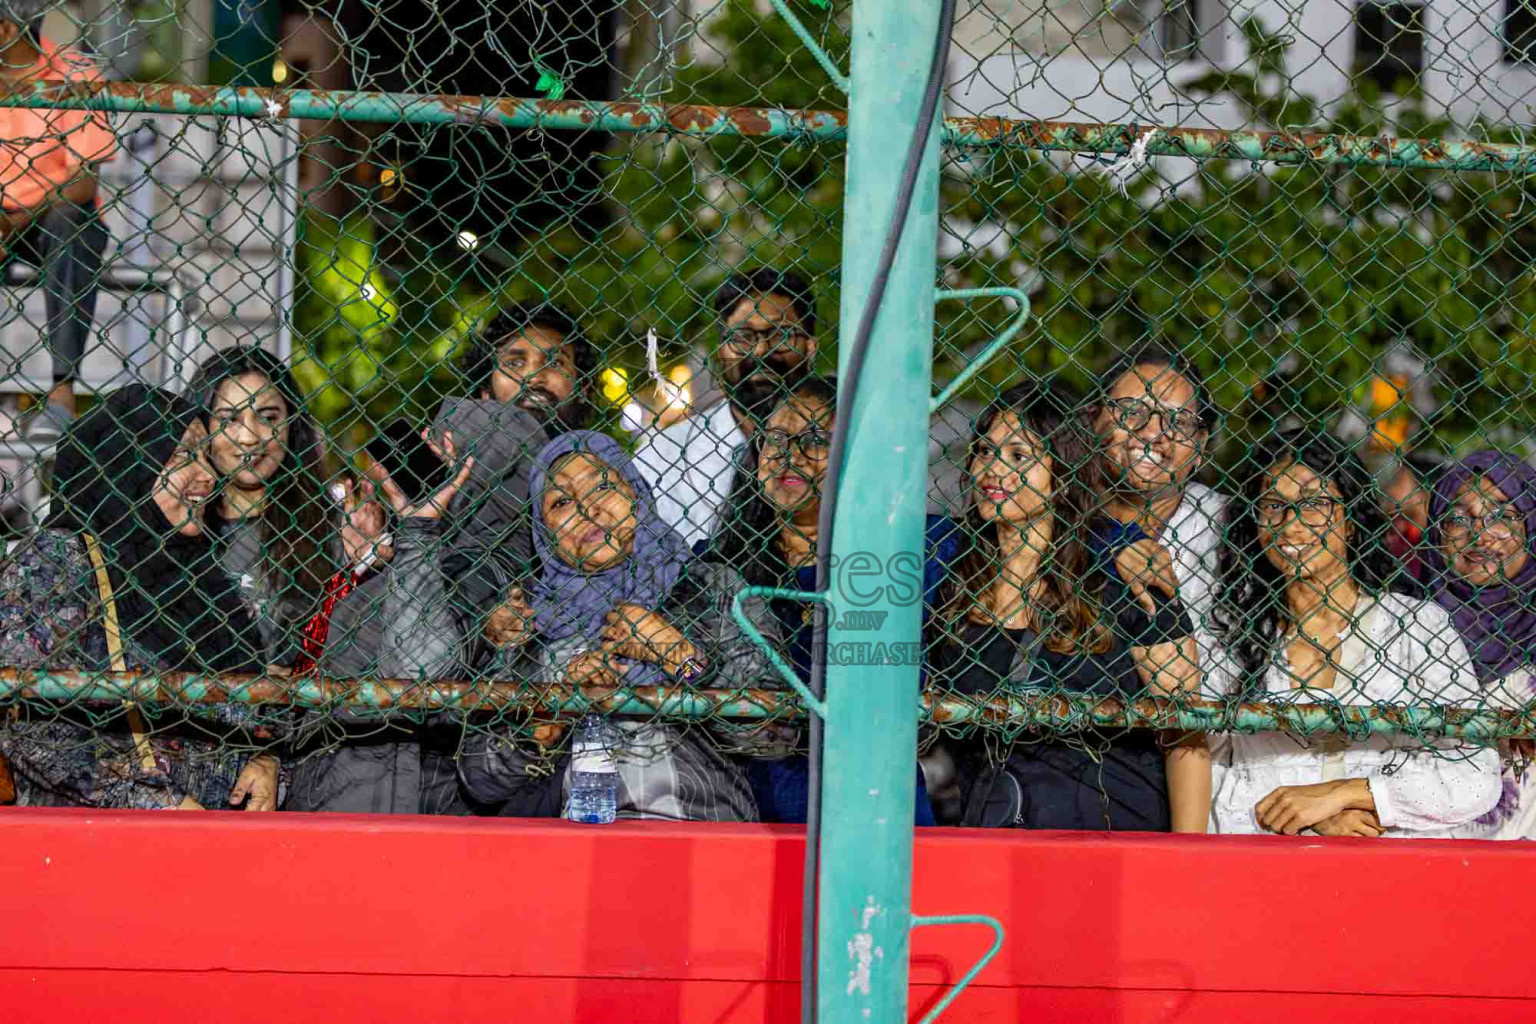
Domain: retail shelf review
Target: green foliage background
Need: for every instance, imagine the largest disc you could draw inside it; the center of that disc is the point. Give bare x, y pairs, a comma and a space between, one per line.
1240, 266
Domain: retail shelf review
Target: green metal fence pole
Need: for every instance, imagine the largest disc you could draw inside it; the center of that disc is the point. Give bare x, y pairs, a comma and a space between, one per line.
869, 764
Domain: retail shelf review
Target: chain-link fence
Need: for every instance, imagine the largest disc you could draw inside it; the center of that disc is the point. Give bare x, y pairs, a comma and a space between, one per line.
392, 385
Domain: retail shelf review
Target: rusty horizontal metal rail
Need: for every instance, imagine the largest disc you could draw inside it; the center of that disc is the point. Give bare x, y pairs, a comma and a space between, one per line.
1335, 148
1062, 713
420, 108
766, 122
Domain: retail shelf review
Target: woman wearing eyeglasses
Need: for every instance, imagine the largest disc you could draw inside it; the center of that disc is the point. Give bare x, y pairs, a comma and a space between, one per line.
1303, 615
1482, 519
768, 534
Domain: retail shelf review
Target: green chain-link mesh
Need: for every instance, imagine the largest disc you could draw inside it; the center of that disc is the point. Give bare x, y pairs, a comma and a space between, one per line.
1321, 212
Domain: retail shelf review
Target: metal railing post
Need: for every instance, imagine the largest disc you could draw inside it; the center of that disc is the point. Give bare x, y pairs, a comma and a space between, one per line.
870, 745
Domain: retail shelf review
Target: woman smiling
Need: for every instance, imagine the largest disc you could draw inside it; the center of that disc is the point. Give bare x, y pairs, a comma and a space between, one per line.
271, 521
1481, 527
1027, 611
1303, 614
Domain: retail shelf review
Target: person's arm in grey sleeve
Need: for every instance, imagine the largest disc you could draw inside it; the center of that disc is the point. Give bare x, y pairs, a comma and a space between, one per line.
735, 660
423, 634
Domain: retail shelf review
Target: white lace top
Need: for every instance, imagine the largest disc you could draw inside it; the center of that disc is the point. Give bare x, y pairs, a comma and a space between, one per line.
1401, 651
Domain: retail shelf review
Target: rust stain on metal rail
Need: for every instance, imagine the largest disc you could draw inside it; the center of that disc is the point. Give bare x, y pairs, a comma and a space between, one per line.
506, 112
766, 122
1009, 711
1217, 143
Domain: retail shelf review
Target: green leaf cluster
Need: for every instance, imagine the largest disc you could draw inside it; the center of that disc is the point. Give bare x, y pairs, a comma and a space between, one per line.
1288, 284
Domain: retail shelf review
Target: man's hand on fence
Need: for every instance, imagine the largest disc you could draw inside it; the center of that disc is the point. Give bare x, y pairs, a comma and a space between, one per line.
188, 804
1353, 822
258, 781
1146, 564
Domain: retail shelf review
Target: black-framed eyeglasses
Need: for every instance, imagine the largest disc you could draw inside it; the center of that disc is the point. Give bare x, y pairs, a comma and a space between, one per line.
1134, 414
1314, 511
813, 443
747, 339
1506, 517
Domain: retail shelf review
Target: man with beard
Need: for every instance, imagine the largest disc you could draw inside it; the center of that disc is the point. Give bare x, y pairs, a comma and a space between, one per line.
1152, 420
532, 357
535, 357
767, 341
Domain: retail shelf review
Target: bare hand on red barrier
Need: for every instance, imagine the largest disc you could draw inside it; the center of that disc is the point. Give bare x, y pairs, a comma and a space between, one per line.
1290, 809
1353, 822
258, 781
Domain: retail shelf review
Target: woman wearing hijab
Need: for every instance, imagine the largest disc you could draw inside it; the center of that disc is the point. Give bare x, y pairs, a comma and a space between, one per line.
121, 578
616, 604
1481, 527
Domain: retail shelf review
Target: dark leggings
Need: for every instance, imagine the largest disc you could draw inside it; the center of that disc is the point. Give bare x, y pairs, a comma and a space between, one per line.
65, 243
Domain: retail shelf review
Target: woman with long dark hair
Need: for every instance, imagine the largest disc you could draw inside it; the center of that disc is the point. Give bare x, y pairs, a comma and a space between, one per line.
1028, 608
122, 578
272, 522
1304, 613
768, 534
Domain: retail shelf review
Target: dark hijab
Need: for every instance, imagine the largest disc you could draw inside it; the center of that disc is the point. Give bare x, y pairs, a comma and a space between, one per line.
1497, 623
173, 601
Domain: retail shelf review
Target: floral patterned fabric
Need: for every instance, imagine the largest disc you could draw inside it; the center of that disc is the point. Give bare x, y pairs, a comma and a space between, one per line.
83, 754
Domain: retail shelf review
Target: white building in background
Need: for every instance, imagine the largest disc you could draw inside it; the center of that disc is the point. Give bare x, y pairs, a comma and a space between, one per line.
1079, 60
202, 214
202, 217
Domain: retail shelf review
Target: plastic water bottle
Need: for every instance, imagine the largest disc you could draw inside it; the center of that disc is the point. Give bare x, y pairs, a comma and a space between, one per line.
594, 776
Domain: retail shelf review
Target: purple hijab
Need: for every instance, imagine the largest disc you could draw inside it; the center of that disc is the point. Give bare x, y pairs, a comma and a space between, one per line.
1497, 623
568, 602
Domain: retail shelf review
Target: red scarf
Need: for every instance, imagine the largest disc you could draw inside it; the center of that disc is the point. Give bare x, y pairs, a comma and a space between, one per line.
319, 627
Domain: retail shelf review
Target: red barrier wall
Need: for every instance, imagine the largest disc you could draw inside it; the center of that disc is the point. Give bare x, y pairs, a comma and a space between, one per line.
289, 918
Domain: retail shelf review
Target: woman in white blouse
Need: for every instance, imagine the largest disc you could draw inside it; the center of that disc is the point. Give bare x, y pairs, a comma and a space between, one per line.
1303, 616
